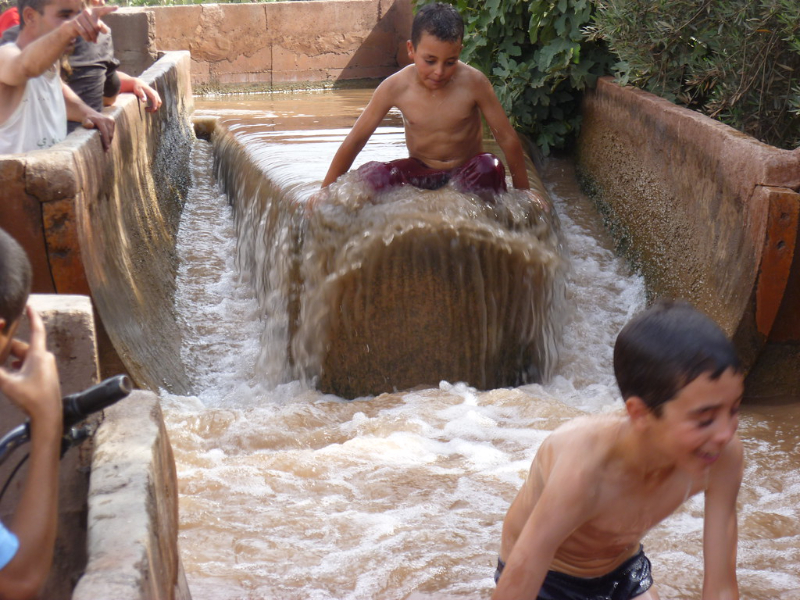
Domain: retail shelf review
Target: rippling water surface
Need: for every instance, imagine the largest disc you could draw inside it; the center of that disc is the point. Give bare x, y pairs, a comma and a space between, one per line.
288, 493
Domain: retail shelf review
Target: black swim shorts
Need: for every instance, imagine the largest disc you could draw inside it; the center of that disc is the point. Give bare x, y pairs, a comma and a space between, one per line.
632, 578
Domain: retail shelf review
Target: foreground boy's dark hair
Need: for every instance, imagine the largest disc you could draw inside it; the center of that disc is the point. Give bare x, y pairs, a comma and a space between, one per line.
15, 279
442, 21
663, 349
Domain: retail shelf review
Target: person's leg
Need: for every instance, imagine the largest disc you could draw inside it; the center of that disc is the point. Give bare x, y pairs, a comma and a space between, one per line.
382, 175
483, 175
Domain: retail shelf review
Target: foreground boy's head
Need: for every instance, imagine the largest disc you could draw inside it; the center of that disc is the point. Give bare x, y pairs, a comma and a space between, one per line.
435, 44
665, 348
15, 286
439, 20
40, 17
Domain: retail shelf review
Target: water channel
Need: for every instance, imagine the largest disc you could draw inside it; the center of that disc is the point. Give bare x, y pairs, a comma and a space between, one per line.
289, 493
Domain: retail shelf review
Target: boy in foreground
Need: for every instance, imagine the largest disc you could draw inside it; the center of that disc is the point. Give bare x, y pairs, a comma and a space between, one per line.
26, 547
599, 483
442, 100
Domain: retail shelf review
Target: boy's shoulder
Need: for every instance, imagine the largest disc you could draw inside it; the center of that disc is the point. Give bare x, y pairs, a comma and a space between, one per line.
589, 438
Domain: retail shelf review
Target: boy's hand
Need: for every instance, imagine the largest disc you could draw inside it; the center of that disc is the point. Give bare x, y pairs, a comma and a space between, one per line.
103, 123
147, 95
34, 388
88, 24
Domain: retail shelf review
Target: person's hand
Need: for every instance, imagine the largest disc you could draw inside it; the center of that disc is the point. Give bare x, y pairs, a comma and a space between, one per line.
147, 95
34, 387
88, 23
536, 199
103, 123
321, 196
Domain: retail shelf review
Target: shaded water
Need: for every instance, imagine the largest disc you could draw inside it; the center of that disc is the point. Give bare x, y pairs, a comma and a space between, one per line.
288, 493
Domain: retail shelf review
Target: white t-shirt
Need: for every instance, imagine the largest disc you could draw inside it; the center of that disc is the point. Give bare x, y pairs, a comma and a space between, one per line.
40, 119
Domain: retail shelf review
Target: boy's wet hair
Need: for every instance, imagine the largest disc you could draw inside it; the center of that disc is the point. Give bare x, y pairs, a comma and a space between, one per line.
15, 279
440, 20
663, 349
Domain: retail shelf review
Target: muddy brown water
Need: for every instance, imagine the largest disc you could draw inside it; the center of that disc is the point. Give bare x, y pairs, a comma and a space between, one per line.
289, 493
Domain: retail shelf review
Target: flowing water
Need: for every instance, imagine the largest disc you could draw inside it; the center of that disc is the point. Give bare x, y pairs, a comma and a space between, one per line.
289, 493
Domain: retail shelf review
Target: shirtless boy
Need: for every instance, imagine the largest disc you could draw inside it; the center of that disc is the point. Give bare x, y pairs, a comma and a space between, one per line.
442, 100
599, 483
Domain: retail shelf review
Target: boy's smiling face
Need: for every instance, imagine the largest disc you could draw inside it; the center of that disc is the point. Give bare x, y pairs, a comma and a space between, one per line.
700, 421
435, 60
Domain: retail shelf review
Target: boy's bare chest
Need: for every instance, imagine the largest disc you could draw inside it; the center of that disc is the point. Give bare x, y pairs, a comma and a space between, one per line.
434, 113
630, 511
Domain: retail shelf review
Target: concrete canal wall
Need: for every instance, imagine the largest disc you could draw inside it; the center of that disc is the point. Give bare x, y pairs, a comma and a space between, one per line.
708, 214
269, 45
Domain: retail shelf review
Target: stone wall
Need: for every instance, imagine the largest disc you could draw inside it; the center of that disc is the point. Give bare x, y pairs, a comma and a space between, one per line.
269, 45
133, 508
708, 214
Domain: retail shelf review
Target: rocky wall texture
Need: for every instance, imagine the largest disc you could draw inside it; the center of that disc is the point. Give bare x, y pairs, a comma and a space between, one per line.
133, 508
269, 45
707, 214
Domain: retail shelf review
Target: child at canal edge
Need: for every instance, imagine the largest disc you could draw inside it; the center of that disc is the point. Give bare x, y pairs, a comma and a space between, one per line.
599, 483
27, 545
441, 100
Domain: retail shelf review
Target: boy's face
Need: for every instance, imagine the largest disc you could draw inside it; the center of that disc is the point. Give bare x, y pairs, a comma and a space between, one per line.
699, 422
52, 16
435, 60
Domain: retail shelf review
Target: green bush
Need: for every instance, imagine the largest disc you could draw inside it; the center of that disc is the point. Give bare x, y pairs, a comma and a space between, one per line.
735, 60
539, 61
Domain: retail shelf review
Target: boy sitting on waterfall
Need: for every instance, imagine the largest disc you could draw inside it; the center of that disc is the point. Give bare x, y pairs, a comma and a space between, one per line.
442, 100
599, 483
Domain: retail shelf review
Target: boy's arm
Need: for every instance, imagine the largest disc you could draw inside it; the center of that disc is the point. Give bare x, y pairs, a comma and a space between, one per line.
502, 131
720, 532
80, 112
365, 126
562, 507
36, 390
140, 89
17, 66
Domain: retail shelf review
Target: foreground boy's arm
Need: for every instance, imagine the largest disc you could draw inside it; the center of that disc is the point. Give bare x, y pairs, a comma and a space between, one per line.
720, 532
503, 133
379, 105
563, 506
35, 389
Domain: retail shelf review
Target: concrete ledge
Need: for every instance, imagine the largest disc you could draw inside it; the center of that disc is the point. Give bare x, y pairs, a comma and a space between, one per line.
133, 508
70, 337
707, 214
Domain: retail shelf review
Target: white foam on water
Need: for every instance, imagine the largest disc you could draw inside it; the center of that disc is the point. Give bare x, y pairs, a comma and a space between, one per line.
288, 493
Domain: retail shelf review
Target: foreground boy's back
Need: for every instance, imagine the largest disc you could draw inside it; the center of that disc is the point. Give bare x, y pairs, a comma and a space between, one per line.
599, 483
